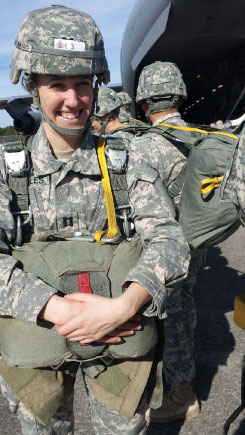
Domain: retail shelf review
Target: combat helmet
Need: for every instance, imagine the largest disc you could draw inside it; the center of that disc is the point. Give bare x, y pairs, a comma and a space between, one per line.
126, 99
108, 101
61, 41
58, 41
125, 109
160, 84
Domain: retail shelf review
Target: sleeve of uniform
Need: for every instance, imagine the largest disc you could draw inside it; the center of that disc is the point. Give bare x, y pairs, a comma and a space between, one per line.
166, 157
165, 258
22, 295
240, 175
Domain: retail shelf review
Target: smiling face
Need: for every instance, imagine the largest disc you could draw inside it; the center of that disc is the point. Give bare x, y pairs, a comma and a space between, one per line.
67, 101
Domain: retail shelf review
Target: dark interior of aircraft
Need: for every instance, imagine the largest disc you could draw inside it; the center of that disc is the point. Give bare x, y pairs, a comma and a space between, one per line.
215, 91
206, 40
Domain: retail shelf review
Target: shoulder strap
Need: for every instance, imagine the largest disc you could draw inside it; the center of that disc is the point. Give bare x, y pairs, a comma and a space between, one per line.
175, 187
175, 132
110, 210
113, 156
117, 160
17, 157
183, 133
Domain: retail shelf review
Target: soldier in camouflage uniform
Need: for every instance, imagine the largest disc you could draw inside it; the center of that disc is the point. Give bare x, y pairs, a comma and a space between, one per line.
55, 48
105, 119
160, 91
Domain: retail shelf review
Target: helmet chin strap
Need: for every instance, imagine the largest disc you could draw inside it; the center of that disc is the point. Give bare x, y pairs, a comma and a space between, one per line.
64, 130
61, 130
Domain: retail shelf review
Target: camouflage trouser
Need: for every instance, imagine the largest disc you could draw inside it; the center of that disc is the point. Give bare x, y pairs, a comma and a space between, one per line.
179, 326
62, 422
105, 421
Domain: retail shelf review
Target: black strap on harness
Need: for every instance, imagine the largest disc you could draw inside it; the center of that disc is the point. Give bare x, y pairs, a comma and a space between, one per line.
18, 163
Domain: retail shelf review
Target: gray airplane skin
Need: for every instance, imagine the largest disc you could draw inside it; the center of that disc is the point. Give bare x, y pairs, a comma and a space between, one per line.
205, 38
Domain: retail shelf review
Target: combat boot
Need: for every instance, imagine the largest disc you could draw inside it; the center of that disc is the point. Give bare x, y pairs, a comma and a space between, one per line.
180, 403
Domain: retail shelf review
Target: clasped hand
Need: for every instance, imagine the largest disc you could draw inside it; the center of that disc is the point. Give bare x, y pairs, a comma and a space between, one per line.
87, 318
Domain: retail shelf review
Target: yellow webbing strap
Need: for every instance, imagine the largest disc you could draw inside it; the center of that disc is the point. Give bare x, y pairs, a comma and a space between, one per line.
121, 126
109, 202
137, 120
198, 130
209, 184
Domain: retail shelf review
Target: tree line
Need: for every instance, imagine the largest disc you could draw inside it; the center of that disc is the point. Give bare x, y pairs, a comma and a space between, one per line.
7, 131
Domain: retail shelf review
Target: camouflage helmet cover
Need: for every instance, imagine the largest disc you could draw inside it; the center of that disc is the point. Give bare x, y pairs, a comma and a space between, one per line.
126, 99
108, 101
59, 41
160, 79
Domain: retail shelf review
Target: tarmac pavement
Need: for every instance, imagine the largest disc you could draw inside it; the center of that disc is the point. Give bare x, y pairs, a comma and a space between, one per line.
219, 347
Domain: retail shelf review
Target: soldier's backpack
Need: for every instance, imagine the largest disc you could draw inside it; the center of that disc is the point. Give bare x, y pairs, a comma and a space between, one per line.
205, 218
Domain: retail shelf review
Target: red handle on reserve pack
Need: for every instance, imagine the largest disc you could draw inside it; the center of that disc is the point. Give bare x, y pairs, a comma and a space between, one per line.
83, 282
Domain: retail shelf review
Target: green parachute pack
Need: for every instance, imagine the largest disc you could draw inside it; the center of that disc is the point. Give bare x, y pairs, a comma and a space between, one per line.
205, 218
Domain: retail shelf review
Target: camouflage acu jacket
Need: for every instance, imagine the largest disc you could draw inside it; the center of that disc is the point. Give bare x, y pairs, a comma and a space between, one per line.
167, 157
63, 194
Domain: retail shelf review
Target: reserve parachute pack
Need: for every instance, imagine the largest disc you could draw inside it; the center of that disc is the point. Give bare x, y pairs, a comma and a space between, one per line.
70, 261
205, 218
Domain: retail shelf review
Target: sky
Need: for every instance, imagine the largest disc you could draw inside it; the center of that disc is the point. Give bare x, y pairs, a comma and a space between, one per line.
110, 15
